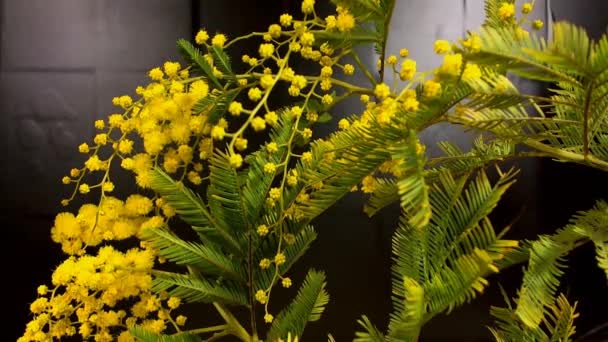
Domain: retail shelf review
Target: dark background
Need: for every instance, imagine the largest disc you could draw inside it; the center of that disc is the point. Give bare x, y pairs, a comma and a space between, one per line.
62, 61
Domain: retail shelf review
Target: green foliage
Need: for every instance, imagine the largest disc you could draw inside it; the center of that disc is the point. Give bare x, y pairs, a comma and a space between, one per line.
205, 258
371, 333
194, 55
411, 187
306, 307
444, 263
148, 336
558, 325
192, 288
190, 207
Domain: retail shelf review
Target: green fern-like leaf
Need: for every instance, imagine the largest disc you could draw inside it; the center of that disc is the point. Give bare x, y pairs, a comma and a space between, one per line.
191, 208
371, 333
194, 289
194, 55
222, 61
208, 260
407, 326
411, 187
144, 335
308, 306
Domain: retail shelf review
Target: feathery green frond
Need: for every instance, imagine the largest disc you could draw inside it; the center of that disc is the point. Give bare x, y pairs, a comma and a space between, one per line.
205, 258
371, 333
144, 335
503, 46
187, 204
558, 324
407, 326
215, 104
194, 55
193, 289
222, 61
258, 182
560, 319
191, 208
307, 306
541, 279
452, 254
411, 187
225, 194
492, 7
385, 193
593, 224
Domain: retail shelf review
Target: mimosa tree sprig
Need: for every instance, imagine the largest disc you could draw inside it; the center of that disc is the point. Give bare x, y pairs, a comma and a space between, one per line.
250, 206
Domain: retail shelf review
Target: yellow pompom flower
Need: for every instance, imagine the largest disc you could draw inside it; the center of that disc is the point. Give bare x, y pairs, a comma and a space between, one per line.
506, 10
408, 70
83, 148
275, 193
279, 259
42, 290
404, 53
271, 118
125, 146
527, 8
218, 132
442, 46
240, 144
307, 39
171, 68
451, 64
262, 230
274, 30
107, 186
471, 72
174, 302
268, 318
272, 147
537, 24
266, 50
261, 297
156, 74
327, 99
180, 320
270, 168
391, 60
84, 188
410, 104
258, 124
254, 94
235, 108
306, 133
219, 40
201, 37
382, 91
265, 263
285, 20
349, 69
308, 6
286, 282
343, 124
345, 21
66, 180
99, 124
307, 157
431, 89
235, 160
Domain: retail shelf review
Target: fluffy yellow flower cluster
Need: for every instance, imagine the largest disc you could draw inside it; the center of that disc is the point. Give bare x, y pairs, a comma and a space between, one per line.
87, 296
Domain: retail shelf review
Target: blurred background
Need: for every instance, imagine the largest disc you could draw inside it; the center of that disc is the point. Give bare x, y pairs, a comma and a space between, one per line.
62, 61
